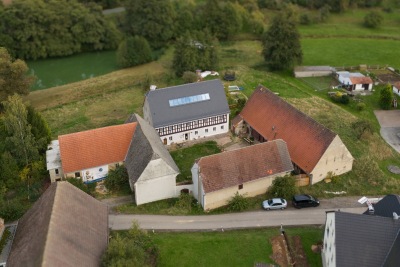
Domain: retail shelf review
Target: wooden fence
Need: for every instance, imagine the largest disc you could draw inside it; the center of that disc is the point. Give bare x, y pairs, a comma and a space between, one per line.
302, 180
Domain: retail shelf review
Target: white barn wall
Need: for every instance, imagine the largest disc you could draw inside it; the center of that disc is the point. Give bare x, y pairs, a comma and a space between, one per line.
329, 248
156, 182
336, 159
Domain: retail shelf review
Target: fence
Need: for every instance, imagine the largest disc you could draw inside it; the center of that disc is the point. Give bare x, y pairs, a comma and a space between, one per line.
367, 67
302, 180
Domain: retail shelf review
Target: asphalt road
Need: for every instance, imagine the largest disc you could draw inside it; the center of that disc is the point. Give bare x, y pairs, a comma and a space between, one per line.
288, 217
389, 121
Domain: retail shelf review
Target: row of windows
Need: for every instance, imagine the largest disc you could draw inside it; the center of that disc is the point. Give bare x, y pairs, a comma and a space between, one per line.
192, 125
197, 132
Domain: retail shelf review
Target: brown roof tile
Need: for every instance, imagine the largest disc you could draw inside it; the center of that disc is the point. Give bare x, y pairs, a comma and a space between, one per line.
96, 147
361, 80
243, 165
273, 118
65, 227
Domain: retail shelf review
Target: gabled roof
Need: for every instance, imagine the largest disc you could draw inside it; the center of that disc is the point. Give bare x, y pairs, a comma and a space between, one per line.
163, 114
65, 227
95, 147
243, 165
386, 206
361, 80
274, 118
364, 240
146, 146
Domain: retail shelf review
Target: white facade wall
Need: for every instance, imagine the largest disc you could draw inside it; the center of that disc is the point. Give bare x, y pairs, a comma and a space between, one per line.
157, 181
329, 250
359, 87
56, 174
303, 74
194, 134
196, 183
336, 159
396, 90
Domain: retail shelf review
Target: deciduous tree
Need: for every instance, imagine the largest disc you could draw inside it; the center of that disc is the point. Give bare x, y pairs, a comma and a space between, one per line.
386, 97
281, 44
152, 19
14, 78
20, 141
133, 51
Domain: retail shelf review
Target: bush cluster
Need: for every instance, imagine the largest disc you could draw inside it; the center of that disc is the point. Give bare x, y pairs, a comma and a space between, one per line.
238, 203
340, 98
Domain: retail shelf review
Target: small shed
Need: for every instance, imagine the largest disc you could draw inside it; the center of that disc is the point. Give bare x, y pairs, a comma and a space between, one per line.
312, 71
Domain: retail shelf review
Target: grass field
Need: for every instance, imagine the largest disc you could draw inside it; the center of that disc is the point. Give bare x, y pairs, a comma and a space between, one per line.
229, 248
59, 71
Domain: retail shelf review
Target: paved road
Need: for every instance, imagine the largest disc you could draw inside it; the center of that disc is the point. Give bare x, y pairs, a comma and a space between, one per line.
288, 217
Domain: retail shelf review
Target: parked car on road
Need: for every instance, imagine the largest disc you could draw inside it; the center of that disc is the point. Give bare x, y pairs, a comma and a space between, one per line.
274, 204
304, 201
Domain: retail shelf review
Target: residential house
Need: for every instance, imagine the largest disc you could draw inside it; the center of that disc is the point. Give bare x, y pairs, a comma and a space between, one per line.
248, 171
313, 71
354, 81
386, 206
152, 171
188, 112
89, 155
396, 88
361, 240
65, 227
314, 149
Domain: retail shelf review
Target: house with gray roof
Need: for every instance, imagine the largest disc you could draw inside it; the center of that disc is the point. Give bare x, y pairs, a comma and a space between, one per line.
187, 112
152, 171
65, 227
248, 171
386, 206
361, 240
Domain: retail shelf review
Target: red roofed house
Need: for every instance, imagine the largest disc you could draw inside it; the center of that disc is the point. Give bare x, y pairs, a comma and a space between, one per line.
89, 155
248, 171
354, 81
314, 149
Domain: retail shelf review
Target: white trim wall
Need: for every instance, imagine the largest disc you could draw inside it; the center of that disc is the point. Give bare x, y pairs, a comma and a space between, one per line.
193, 130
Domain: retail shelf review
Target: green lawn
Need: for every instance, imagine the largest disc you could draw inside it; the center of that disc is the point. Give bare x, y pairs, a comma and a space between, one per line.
229, 248
185, 157
58, 71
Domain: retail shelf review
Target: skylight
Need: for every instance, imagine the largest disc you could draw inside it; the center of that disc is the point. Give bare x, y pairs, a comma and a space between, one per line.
188, 100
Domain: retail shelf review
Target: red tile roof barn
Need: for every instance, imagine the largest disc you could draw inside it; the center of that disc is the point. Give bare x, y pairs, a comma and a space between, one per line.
361, 80
273, 118
96, 147
239, 166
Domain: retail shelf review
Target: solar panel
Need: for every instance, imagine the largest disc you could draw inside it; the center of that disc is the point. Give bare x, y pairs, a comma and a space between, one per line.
188, 100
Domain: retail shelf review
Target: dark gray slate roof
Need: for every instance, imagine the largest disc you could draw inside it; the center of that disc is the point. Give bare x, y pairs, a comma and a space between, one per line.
65, 227
393, 258
146, 145
364, 240
386, 206
162, 114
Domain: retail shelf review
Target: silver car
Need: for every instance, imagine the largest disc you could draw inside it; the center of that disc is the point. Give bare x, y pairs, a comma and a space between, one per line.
274, 204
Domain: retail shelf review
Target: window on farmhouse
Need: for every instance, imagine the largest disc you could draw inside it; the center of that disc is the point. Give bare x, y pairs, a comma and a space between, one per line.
77, 174
56, 170
196, 132
206, 130
222, 127
214, 129
170, 138
240, 186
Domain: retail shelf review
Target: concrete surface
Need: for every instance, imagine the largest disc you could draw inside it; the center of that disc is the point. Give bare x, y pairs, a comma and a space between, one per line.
390, 126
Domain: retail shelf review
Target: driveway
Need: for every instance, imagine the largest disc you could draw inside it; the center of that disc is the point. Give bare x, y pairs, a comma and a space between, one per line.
390, 126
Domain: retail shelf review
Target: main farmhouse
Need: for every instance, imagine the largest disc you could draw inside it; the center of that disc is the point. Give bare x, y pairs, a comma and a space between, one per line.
188, 112
90, 155
314, 149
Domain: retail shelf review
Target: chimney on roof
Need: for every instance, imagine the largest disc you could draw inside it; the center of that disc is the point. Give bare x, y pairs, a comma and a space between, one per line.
395, 216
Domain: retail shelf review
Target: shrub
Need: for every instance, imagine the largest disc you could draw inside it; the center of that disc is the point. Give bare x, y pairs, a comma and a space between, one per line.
361, 127
238, 203
185, 202
386, 97
284, 187
189, 77
344, 99
305, 19
117, 179
340, 98
360, 106
373, 19
11, 210
133, 51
